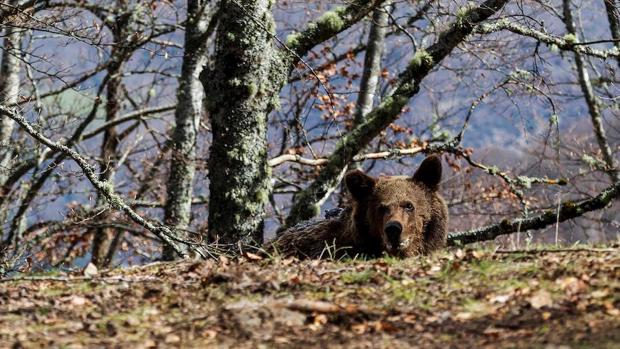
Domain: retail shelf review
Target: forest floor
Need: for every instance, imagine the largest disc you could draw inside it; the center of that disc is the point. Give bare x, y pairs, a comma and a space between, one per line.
470, 298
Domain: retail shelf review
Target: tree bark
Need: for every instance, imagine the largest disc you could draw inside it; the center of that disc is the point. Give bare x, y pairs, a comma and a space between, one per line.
613, 15
187, 117
307, 202
592, 101
240, 91
103, 237
370, 73
372, 63
9, 90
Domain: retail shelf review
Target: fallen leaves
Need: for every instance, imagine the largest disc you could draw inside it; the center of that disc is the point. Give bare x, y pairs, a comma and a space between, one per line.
500, 298
541, 299
463, 298
90, 270
78, 301
571, 285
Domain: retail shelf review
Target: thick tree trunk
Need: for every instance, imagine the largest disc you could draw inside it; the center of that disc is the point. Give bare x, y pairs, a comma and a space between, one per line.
240, 90
187, 117
592, 101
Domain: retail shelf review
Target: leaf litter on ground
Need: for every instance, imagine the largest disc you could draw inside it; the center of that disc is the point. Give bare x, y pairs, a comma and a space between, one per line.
458, 298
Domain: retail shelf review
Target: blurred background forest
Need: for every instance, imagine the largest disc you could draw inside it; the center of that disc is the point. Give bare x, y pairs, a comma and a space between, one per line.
523, 105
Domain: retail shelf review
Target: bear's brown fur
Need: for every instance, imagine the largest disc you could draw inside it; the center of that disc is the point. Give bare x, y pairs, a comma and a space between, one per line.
399, 216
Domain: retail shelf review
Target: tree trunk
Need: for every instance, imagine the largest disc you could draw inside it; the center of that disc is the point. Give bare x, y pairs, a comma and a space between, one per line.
102, 237
372, 63
101, 256
187, 117
613, 15
592, 101
240, 90
9, 90
371, 72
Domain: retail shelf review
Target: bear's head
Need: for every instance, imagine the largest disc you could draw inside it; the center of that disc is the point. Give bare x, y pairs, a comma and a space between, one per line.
393, 212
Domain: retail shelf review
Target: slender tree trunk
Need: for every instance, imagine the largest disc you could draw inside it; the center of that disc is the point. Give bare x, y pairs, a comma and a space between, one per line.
101, 256
592, 101
9, 91
372, 62
240, 90
371, 72
612, 8
187, 117
102, 237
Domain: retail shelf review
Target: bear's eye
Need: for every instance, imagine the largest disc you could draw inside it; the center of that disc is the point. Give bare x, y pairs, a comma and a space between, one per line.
408, 206
382, 209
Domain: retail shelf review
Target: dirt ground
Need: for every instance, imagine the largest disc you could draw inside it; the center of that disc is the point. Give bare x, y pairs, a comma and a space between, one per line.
480, 298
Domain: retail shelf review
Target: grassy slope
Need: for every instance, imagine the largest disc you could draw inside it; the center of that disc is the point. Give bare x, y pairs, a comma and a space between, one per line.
471, 298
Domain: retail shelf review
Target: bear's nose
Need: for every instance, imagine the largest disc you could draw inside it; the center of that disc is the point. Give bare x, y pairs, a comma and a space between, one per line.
392, 230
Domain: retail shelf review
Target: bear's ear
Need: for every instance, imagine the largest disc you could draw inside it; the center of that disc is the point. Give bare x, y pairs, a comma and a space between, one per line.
429, 172
359, 184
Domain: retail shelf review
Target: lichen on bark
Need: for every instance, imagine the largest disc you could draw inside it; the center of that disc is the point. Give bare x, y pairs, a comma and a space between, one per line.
239, 97
187, 117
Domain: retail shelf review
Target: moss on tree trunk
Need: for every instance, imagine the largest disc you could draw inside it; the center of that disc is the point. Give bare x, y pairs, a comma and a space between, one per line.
187, 116
240, 88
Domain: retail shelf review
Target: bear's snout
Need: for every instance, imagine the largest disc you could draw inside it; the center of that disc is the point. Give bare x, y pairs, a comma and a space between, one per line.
392, 230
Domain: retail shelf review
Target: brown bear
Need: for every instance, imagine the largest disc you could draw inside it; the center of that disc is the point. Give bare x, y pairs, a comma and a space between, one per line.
398, 216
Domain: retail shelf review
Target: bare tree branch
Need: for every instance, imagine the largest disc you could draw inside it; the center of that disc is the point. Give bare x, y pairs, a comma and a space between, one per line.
561, 43
388, 154
104, 188
567, 210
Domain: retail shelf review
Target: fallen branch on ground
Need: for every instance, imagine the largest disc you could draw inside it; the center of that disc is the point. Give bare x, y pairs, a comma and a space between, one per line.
310, 306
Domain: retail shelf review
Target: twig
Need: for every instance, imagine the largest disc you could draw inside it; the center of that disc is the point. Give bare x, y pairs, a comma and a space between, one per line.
305, 305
